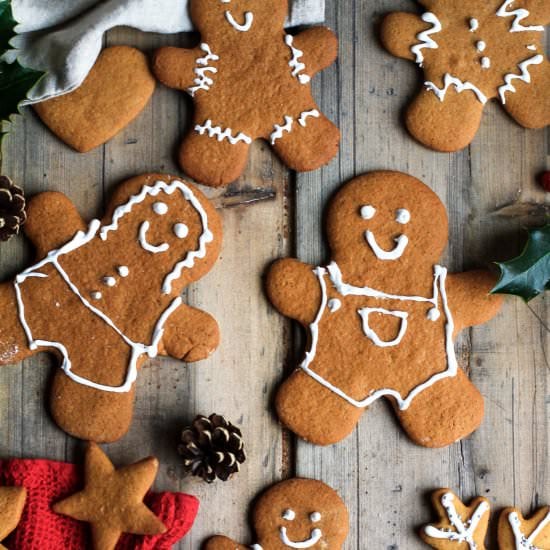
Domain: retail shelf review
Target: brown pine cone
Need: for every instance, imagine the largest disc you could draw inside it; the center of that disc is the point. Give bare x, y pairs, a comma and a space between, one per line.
212, 448
12, 209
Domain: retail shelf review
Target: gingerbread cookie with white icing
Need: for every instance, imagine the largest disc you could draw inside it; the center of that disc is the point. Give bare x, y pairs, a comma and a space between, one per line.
472, 51
297, 513
518, 533
106, 296
460, 527
250, 80
382, 317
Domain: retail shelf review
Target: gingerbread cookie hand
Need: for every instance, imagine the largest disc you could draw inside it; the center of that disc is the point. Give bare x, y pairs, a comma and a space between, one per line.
381, 318
109, 298
515, 532
297, 513
250, 80
472, 51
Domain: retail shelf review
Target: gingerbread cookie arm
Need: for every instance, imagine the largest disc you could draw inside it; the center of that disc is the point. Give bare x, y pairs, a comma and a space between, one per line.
469, 298
399, 33
447, 124
516, 531
294, 290
175, 67
190, 335
53, 220
521, 105
320, 48
222, 543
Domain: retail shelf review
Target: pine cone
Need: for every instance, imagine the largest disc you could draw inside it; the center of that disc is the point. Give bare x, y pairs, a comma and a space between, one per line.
212, 448
12, 209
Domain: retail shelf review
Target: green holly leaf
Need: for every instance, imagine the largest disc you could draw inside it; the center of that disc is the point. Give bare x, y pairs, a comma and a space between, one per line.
528, 275
7, 25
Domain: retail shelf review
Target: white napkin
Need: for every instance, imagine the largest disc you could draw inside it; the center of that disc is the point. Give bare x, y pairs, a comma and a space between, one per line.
64, 37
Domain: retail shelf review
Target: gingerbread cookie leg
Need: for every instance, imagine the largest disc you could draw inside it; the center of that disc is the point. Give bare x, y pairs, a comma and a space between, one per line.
214, 154
518, 96
190, 335
447, 124
222, 543
310, 142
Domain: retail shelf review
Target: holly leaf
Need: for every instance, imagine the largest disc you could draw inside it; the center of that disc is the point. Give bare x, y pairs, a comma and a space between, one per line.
7, 25
528, 275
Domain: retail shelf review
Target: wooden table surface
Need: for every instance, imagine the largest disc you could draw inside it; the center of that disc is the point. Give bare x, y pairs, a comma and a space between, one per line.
271, 213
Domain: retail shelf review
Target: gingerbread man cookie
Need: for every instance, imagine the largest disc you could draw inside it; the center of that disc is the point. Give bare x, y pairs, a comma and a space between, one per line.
518, 533
382, 317
297, 513
250, 80
106, 297
473, 51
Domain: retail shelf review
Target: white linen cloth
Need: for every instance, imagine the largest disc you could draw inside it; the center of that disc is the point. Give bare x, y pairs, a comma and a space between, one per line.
64, 37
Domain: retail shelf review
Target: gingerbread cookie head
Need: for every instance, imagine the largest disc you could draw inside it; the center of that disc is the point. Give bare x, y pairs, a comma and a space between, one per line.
297, 513
381, 318
250, 80
516, 532
106, 297
472, 51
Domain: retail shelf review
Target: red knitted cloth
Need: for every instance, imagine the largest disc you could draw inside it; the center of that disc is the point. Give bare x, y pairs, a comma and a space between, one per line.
48, 482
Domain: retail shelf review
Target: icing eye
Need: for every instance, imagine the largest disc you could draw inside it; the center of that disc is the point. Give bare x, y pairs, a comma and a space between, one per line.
181, 230
403, 216
315, 517
289, 514
160, 208
368, 212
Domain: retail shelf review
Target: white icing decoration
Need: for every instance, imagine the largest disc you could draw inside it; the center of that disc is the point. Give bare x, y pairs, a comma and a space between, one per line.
160, 208
464, 531
532, 47
295, 64
371, 334
519, 15
203, 81
315, 517
334, 305
181, 230
95, 295
368, 212
256, 547
426, 41
123, 271
448, 81
314, 538
279, 130
306, 114
403, 216
109, 281
524, 76
245, 27
523, 542
289, 515
481, 46
485, 63
434, 314
82, 238
155, 249
474, 25
344, 289
221, 134
401, 244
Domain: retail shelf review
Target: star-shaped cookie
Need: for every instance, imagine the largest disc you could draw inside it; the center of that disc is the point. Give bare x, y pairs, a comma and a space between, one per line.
12, 502
112, 500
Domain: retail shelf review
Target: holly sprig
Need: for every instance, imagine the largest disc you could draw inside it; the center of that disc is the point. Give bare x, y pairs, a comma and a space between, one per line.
528, 275
15, 80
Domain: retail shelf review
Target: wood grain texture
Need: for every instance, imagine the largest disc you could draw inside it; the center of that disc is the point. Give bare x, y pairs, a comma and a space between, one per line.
384, 479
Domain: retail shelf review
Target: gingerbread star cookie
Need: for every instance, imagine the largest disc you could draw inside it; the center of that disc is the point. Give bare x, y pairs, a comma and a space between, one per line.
249, 79
518, 533
105, 297
460, 527
12, 502
297, 513
473, 51
381, 318
112, 500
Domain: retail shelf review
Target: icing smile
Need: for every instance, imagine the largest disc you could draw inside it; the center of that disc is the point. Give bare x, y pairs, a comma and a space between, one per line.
242, 27
155, 249
401, 244
314, 538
